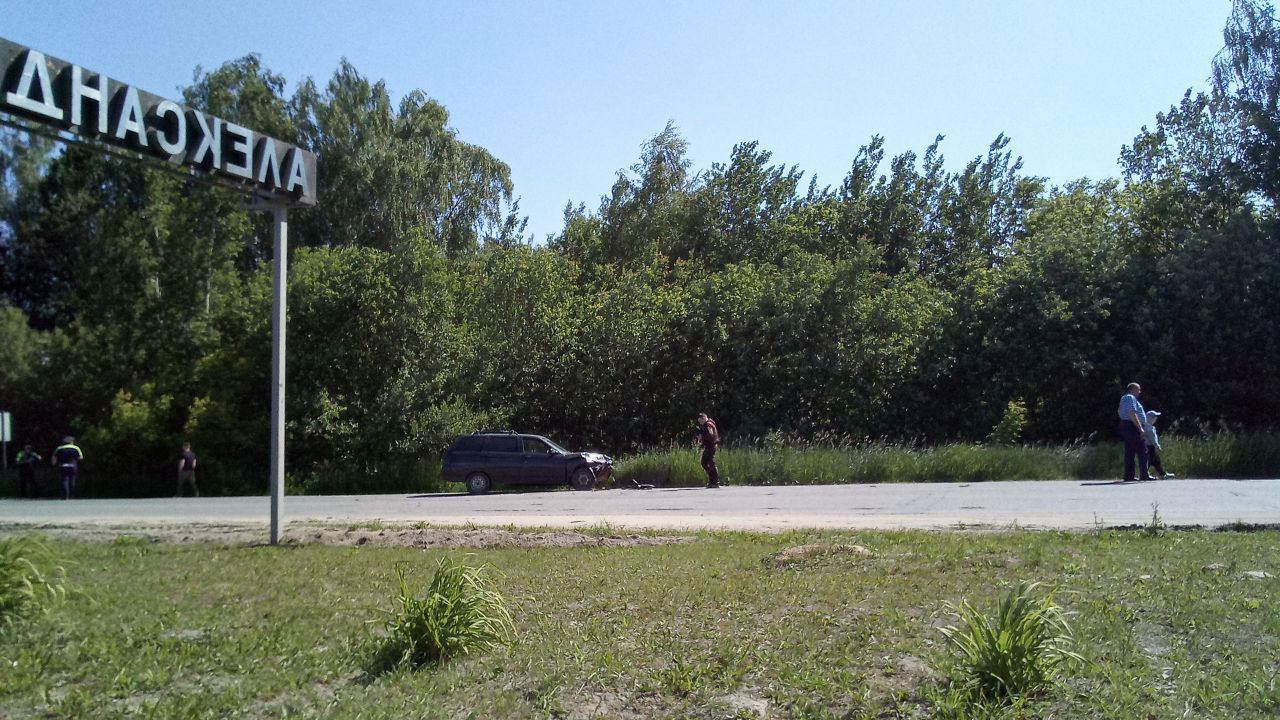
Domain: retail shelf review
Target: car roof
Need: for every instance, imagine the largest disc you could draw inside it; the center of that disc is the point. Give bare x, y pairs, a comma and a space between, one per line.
507, 433
495, 432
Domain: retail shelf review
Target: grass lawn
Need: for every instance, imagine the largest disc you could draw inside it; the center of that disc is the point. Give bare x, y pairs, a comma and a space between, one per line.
712, 627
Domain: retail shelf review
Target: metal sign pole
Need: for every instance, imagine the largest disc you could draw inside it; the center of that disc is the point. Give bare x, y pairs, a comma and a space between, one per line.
280, 215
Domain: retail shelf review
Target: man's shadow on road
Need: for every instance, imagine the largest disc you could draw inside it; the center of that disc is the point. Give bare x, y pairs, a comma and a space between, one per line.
1112, 482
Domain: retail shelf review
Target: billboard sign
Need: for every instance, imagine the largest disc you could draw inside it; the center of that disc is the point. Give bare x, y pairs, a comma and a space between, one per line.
90, 105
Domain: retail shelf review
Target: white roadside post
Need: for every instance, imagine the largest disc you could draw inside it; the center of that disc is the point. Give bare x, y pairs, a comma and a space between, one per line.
280, 216
6, 435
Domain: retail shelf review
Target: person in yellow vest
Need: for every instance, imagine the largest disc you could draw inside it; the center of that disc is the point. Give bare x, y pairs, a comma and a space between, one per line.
67, 459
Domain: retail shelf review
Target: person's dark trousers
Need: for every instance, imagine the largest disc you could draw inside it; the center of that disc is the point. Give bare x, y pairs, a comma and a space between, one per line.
26, 483
709, 464
68, 481
1153, 460
1135, 446
187, 477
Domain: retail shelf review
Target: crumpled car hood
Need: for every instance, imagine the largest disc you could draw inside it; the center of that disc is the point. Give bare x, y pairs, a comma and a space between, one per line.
595, 458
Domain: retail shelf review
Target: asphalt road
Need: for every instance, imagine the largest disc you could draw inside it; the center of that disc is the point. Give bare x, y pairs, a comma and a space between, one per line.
1040, 504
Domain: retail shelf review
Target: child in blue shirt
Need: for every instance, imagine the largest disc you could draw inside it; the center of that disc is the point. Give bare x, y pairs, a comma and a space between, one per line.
1153, 444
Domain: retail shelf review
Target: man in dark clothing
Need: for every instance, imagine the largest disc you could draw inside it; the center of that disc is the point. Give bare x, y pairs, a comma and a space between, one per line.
67, 457
1133, 432
27, 459
709, 436
187, 470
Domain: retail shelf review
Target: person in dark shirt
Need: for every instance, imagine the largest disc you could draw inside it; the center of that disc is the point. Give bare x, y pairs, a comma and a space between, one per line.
187, 470
27, 459
67, 458
709, 436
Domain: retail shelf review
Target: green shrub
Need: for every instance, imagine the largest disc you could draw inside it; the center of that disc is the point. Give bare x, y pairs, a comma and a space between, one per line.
1018, 651
30, 579
1009, 430
458, 613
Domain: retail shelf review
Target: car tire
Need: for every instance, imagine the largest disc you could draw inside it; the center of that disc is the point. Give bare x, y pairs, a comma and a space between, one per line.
582, 479
478, 483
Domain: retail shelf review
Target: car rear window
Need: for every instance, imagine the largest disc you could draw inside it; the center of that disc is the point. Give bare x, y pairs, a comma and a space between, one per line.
468, 443
502, 443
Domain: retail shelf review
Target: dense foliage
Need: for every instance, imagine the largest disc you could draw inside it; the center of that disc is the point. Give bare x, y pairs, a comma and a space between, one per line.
916, 299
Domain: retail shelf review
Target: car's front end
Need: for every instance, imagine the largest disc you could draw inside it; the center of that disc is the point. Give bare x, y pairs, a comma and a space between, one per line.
601, 465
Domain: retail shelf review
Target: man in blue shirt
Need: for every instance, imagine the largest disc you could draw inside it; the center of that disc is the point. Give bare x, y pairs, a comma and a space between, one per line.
1133, 433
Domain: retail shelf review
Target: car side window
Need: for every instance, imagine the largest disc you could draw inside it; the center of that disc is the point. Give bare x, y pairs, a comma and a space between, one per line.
468, 443
534, 445
502, 444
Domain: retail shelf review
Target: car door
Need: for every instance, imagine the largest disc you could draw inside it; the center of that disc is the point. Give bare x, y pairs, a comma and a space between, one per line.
463, 458
538, 463
502, 458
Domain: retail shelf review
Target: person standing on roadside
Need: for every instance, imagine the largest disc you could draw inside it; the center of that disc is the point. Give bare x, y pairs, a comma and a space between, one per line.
1153, 446
27, 459
187, 470
709, 436
67, 457
1133, 431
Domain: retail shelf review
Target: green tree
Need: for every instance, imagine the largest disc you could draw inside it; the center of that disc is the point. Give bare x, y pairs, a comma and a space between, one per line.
647, 210
1246, 77
736, 209
391, 174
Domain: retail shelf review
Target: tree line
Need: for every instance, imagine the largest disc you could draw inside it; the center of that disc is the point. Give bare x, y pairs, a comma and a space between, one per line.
914, 301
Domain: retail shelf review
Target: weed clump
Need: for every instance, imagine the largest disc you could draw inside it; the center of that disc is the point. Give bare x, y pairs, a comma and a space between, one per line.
1016, 652
458, 613
1011, 426
1154, 527
30, 579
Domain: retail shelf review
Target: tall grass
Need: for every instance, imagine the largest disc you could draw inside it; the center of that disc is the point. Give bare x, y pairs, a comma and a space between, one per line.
1220, 455
1017, 651
30, 579
459, 612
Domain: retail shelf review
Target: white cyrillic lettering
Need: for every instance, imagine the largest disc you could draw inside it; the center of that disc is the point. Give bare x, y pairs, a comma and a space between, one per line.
176, 147
268, 163
81, 91
210, 146
35, 68
297, 182
130, 118
241, 142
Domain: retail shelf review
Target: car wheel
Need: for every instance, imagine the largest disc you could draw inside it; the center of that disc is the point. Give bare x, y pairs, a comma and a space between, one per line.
582, 479
478, 483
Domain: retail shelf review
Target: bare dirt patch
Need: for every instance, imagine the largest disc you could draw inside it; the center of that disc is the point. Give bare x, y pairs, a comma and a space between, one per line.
907, 674
319, 534
801, 553
593, 706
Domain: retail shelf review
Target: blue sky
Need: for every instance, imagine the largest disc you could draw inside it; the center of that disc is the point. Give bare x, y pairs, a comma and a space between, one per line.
565, 92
